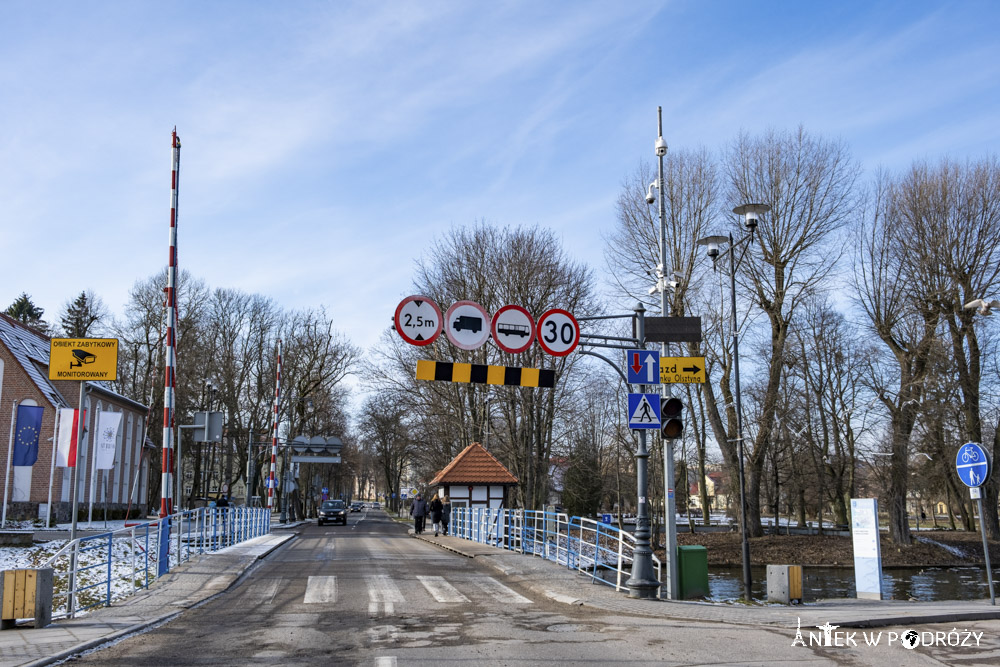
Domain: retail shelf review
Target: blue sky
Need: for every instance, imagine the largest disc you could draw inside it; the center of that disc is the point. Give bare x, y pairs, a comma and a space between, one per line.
326, 144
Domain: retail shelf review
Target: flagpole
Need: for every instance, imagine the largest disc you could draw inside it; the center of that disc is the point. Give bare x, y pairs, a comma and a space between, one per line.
52, 468
93, 469
10, 450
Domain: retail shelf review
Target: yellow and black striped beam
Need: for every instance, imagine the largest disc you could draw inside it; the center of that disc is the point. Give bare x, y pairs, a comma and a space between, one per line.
483, 374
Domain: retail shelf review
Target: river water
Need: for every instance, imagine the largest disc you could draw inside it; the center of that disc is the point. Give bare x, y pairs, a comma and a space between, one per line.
925, 584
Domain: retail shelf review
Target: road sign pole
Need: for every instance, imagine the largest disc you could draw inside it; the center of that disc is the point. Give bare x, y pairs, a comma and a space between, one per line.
643, 582
986, 550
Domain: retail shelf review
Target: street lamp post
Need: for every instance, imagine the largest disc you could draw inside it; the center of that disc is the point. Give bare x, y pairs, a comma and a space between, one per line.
751, 213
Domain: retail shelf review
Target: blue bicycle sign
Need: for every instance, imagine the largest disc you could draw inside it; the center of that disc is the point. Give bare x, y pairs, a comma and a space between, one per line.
972, 464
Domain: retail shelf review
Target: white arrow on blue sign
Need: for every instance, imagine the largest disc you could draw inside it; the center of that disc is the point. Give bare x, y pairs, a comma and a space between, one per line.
642, 366
972, 464
644, 411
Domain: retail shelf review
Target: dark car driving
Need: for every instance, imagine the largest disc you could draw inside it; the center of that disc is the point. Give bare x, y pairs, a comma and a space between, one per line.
332, 511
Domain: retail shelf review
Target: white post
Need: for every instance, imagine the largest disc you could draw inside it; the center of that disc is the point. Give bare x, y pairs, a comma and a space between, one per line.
52, 468
93, 471
10, 450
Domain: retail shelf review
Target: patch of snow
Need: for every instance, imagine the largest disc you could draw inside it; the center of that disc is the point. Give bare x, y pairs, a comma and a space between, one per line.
954, 551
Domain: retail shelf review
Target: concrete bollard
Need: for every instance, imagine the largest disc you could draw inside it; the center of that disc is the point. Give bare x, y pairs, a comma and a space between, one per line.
26, 594
784, 584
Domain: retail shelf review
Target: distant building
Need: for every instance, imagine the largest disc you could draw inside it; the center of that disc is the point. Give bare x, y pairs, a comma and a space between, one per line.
24, 360
718, 496
475, 478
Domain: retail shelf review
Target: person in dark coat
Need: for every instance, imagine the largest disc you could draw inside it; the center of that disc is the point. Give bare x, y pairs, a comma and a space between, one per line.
436, 514
445, 514
418, 510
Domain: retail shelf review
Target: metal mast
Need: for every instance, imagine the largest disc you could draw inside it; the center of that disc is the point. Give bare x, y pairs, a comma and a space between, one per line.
170, 357
274, 432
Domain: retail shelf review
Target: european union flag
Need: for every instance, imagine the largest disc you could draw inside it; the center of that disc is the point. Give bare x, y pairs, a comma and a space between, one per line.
29, 426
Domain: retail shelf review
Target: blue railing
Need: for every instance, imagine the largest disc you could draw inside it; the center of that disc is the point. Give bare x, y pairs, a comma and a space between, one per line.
600, 550
96, 570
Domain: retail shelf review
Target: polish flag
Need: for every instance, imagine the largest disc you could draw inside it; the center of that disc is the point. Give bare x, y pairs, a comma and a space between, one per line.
68, 426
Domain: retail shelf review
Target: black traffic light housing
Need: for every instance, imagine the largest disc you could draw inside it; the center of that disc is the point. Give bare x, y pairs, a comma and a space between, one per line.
671, 417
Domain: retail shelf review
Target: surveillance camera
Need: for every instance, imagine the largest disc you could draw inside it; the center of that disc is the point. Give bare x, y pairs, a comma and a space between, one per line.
653, 290
661, 147
650, 197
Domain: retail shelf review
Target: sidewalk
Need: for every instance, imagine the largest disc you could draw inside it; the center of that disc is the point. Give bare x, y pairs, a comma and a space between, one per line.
564, 585
185, 586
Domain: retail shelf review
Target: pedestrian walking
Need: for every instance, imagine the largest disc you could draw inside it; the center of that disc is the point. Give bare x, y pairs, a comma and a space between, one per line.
445, 514
436, 514
418, 510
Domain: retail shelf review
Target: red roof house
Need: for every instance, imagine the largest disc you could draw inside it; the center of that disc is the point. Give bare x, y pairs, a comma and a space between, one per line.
475, 478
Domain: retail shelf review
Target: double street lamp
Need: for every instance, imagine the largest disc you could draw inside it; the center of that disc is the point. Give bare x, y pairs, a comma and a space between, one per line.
751, 214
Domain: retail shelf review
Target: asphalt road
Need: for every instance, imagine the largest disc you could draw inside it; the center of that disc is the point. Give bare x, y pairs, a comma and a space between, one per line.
368, 594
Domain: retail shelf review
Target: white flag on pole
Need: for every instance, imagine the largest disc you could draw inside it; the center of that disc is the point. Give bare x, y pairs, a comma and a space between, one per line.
107, 435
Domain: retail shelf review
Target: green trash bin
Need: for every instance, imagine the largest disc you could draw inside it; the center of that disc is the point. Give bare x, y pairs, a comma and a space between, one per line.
692, 572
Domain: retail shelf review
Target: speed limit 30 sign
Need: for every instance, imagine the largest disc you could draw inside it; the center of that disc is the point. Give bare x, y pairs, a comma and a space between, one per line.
558, 332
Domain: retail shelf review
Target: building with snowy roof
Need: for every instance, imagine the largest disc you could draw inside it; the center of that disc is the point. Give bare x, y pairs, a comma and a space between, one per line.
24, 360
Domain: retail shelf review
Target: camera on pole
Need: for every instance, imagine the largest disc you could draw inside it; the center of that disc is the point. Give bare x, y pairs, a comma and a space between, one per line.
671, 417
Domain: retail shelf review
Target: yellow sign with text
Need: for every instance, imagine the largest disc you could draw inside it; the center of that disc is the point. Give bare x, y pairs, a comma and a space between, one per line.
83, 359
682, 370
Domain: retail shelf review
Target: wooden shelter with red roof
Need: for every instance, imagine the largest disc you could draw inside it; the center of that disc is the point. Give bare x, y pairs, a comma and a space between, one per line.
475, 478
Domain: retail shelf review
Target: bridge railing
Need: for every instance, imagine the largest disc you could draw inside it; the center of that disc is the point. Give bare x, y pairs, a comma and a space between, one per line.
602, 551
113, 565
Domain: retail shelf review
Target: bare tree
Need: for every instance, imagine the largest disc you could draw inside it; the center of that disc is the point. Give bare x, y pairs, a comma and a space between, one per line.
809, 184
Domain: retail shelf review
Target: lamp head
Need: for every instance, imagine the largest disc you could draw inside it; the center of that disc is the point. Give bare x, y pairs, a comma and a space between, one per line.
713, 243
751, 214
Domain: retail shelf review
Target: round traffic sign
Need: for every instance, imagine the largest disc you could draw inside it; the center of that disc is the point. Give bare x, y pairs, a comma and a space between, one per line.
513, 329
558, 332
972, 464
468, 325
418, 320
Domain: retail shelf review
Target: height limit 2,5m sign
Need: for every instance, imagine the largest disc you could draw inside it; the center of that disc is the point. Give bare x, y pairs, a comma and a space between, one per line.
83, 359
418, 320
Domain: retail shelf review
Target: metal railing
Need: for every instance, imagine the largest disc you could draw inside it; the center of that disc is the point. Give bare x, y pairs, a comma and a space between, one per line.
600, 550
96, 570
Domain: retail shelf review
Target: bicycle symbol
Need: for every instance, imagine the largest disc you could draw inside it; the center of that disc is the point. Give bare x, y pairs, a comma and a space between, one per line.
969, 454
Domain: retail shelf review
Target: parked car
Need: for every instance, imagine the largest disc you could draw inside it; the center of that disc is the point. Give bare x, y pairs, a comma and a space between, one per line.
332, 511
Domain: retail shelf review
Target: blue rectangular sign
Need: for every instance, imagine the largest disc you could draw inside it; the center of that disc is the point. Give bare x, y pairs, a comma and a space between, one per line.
644, 411
642, 366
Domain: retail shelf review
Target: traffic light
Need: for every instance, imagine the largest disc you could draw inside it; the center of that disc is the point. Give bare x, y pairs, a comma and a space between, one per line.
671, 417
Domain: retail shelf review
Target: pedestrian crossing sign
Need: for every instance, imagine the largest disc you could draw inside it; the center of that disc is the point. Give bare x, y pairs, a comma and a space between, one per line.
644, 411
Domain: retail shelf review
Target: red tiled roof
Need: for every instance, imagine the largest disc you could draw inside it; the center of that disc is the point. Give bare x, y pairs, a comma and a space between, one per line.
474, 465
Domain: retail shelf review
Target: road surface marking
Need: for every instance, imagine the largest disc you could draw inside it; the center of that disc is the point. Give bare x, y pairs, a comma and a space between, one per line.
441, 590
501, 593
385, 662
321, 590
382, 589
263, 592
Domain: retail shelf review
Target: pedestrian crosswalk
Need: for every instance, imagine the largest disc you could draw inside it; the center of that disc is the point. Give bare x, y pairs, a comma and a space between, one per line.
386, 595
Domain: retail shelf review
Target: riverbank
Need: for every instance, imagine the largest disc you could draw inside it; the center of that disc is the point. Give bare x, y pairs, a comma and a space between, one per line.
929, 549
